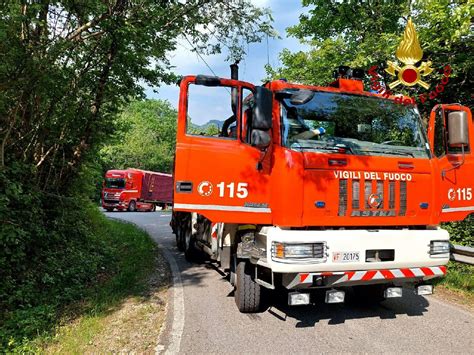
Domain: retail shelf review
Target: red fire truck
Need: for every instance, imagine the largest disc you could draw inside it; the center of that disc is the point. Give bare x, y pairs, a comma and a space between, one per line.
136, 190
308, 188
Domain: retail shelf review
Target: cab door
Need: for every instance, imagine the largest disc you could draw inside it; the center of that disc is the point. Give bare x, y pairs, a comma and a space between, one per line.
217, 170
451, 136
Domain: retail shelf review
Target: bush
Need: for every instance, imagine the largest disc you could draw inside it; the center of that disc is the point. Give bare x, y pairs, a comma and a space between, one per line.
460, 276
461, 232
50, 251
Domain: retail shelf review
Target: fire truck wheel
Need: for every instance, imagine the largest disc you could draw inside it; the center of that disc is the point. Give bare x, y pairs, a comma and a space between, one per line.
132, 206
179, 238
248, 294
190, 252
109, 209
153, 208
233, 266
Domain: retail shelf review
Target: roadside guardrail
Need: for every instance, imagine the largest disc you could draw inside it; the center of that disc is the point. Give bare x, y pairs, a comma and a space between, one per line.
462, 254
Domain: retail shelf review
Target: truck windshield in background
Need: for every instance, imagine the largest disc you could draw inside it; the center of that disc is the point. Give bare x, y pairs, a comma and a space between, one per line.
359, 125
115, 183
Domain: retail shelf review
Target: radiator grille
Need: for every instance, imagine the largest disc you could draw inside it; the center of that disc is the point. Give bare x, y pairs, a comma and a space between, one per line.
355, 194
342, 197
391, 192
381, 198
403, 198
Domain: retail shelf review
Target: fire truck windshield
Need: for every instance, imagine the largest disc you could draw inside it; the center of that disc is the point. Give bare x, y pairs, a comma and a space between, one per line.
115, 183
354, 124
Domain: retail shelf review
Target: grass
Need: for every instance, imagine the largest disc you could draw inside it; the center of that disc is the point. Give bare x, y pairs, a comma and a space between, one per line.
123, 295
460, 277
459, 281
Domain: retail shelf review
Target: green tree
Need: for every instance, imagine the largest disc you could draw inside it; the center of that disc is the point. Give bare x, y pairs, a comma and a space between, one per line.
145, 138
68, 67
366, 33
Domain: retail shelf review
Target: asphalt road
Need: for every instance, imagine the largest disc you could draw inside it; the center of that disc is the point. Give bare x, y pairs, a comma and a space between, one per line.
211, 323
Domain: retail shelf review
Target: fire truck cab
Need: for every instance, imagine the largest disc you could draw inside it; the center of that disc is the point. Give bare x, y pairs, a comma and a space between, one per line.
318, 188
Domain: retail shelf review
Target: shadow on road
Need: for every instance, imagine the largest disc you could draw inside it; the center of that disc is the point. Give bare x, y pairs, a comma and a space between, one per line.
309, 316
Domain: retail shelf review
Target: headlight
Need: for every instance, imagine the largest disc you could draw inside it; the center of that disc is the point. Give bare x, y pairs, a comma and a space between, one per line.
298, 251
439, 248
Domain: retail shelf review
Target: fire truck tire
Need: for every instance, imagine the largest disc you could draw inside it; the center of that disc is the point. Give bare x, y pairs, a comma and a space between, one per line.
109, 209
190, 252
233, 266
248, 294
179, 238
132, 206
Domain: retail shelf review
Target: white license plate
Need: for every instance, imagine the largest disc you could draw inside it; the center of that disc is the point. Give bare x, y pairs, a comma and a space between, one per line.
345, 256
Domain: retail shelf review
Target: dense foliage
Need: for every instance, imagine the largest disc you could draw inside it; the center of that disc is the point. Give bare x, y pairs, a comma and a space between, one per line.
49, 251
366, 33
145, 137
67, 69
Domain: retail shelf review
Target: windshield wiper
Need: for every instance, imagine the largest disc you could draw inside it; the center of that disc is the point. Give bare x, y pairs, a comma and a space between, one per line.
335, 149
315, 148
390, 152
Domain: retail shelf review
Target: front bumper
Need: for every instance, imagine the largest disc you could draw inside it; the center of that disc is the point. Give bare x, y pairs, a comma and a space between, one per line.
110, 203
353, 278
411, 261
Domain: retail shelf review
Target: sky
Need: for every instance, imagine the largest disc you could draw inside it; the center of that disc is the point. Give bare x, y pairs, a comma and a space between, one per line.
251, 69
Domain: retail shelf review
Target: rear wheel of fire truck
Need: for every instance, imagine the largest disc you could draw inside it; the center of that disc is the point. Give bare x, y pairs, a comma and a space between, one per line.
109, 209
248, 294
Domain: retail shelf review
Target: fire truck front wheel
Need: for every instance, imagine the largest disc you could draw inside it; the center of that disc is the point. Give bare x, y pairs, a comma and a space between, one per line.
248, 294
190, 251
179, 238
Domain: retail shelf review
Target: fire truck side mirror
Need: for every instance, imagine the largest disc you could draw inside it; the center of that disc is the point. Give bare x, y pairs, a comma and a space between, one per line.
260, 139
262, 109
457, 129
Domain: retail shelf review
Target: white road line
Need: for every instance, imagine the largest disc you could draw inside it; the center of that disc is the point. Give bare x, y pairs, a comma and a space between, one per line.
177, 323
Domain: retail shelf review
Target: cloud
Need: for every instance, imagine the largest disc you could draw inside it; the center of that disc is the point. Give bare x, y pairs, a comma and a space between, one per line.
260, 3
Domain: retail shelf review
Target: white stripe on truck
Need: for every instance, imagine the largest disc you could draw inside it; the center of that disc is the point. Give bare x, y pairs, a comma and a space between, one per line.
223, 208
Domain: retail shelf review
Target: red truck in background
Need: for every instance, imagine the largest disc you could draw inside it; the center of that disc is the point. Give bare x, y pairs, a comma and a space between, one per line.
136, 190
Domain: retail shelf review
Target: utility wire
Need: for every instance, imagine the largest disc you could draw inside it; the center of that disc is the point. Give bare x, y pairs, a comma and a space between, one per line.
200, 56
268, 53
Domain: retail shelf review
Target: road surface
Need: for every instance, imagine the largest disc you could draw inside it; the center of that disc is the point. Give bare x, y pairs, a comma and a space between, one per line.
207, 319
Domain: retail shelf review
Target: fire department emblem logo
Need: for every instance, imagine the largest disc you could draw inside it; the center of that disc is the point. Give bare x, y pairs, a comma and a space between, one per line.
374, 201
205, 188
409, 52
